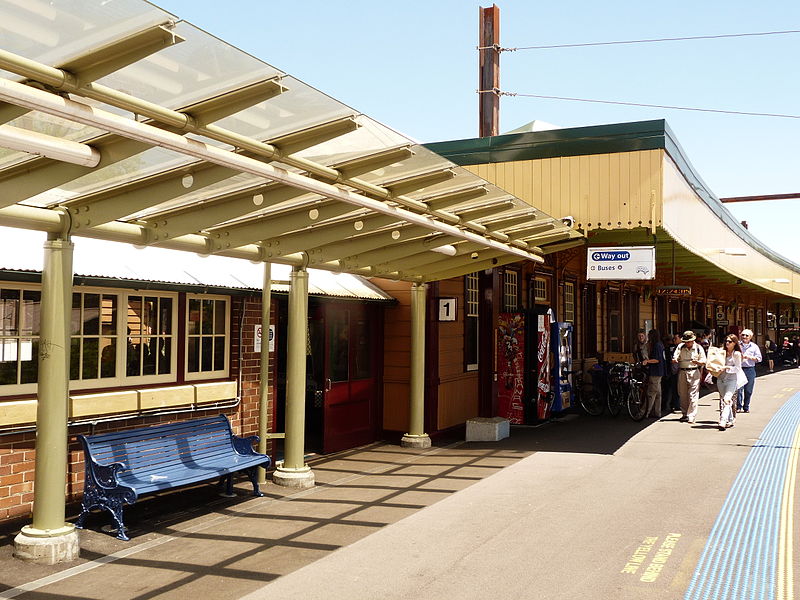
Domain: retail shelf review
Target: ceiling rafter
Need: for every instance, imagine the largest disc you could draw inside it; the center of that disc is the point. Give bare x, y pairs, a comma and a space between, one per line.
401, 249
362, 249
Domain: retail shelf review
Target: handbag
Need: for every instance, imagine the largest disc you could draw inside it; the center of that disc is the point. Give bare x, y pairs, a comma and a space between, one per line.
715, 361
741, 379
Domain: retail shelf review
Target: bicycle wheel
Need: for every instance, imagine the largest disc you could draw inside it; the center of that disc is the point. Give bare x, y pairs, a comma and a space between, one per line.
637, 401
591, 402
614, 399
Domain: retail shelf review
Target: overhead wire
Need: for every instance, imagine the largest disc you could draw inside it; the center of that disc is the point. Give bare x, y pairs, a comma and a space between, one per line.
642, 41
641, 104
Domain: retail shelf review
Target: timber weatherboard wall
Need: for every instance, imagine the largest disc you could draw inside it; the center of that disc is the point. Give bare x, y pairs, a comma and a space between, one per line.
601, 191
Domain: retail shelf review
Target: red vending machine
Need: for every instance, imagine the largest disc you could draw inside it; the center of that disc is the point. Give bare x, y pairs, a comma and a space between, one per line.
510, 353
543, 395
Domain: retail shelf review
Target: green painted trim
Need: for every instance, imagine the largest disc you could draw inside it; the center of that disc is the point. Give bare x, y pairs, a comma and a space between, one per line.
575, 141
598, 139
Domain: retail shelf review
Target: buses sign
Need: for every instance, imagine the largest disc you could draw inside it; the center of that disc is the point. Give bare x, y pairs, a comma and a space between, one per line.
618, 262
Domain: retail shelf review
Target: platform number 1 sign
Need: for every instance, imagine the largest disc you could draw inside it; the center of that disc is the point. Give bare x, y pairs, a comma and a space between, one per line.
447, 309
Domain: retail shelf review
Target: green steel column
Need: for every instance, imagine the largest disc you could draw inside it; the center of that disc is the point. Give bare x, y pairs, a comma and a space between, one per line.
293, 471
53, 391
416, 436
263, 389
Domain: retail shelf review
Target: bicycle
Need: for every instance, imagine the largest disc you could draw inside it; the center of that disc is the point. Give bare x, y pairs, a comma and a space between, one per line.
626, 387
637, 393
617, 392
591, 400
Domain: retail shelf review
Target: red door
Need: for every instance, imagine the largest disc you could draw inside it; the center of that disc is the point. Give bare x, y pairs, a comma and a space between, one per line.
352, 361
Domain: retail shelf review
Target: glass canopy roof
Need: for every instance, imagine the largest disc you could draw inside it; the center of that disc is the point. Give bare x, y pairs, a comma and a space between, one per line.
330, 185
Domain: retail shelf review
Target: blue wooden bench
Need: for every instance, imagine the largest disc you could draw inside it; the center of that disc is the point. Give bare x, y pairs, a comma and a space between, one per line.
123, 465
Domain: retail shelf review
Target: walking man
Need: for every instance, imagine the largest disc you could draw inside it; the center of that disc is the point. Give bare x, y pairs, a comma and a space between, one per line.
690, 358
751, 355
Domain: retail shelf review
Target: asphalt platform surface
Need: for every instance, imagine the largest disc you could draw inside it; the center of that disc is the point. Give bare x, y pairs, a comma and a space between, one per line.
580, 507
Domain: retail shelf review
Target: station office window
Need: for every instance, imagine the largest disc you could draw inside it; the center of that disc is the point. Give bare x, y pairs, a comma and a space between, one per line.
19, 335
569, 302
207, 334
103, 339
540, 290
510, 291
471, 295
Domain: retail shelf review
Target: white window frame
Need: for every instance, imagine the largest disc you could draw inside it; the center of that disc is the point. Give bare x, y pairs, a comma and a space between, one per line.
217, 374
510, 290
569, 301
121, 379
540, 282
472, 311
10, 389
173, 368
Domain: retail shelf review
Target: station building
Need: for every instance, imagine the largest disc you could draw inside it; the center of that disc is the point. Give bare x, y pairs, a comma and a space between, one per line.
389, 274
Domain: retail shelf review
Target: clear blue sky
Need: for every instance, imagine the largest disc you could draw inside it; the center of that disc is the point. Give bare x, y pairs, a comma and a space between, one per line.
413, 66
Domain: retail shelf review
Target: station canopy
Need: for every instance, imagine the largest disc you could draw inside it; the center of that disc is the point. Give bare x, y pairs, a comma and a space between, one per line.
119, 121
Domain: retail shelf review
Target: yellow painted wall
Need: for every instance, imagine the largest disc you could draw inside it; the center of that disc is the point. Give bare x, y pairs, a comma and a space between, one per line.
601, 191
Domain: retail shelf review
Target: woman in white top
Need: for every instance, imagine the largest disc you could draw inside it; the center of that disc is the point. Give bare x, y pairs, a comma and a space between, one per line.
729, 381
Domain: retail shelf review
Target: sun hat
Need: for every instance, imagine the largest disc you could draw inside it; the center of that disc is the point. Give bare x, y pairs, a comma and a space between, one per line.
688, 336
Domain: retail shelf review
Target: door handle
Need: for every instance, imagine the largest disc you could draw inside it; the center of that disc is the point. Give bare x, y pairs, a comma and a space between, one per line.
328, 385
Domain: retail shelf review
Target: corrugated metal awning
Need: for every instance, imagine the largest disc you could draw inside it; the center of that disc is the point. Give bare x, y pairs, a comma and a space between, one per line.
111, 263
139, 127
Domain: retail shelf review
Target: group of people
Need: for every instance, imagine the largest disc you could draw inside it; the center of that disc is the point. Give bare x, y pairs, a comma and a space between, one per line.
676, 367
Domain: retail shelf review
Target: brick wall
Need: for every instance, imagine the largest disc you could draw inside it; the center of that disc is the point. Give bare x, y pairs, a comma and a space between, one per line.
17, 450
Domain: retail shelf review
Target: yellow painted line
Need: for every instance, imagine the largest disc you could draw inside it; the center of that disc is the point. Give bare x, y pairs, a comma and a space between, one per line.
788, 389
778, 396
785, 583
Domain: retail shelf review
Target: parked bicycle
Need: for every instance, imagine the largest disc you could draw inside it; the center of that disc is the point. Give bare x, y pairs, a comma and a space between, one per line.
626, 388
590, 398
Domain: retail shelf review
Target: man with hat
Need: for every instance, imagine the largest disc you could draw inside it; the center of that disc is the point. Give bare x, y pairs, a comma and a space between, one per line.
690, 358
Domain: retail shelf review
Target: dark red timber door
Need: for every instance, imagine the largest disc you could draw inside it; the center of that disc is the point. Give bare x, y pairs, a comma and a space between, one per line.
352, 375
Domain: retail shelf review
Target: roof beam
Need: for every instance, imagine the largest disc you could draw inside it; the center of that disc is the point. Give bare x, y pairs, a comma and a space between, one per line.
481, 212
413, 240
550, 248
119, 201
267, 227
407, 185
319, 235
464, 268
536, 227
39, 175
313, 136
227, 104
33, 142
422, 260
511, 221
448, 199
398, 250
220, 209
548, 237
109, 58
359, 248
372, 162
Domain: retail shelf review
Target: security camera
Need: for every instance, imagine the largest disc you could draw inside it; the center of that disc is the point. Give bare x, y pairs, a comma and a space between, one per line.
568, 221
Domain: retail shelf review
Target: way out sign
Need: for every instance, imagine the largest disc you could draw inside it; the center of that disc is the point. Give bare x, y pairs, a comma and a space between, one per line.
621, 262
258, 336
